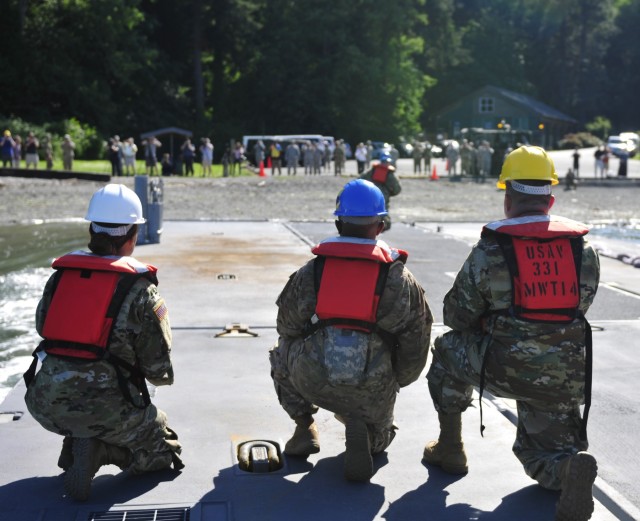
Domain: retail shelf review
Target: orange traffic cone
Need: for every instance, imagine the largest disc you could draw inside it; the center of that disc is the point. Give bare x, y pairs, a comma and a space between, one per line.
262, 174
269, 162
434, 174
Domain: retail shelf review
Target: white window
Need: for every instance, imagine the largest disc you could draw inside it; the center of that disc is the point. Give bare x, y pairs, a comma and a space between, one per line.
485, 105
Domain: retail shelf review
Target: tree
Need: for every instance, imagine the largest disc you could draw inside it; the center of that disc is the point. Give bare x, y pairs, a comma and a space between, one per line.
565, 52
600, 126
472, 44
621, 61
348, 72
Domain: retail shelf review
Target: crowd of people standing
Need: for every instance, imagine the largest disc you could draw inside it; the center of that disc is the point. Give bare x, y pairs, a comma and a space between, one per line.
16, 152
13, 150
122, 156
314, 157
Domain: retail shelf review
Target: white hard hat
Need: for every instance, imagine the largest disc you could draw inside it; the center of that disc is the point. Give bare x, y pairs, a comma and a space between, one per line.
115, 204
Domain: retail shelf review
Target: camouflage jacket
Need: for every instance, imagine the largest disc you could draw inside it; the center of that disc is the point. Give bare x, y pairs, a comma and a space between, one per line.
403, 311
141, 336
538, 359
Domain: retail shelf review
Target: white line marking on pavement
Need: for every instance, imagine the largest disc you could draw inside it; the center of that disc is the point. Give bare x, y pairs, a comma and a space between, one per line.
614, 287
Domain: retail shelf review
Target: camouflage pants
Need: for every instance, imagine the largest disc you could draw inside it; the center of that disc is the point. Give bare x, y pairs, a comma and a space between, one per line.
547, 432
105, 415
302, 386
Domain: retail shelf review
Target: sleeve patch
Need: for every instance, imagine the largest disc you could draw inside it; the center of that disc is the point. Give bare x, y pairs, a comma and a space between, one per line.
161, 311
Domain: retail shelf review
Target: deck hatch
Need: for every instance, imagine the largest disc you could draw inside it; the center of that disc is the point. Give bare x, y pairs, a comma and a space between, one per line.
159, 514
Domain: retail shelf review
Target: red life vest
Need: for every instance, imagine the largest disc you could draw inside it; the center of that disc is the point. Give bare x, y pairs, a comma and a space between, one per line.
88, 294
350, 278
544, 256
380, 173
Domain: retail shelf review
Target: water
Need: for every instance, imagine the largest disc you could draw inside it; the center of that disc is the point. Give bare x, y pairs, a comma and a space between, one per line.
26, 252
617, 239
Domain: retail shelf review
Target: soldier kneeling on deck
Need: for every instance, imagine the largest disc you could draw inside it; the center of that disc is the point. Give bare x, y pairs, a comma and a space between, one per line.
354, 327
516, 312
106, 332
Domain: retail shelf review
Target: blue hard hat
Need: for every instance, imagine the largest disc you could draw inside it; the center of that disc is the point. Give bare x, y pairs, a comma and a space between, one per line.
385, 158
360, 198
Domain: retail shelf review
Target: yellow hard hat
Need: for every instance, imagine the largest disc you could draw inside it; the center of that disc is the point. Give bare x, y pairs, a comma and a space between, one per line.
527, 163
7, 133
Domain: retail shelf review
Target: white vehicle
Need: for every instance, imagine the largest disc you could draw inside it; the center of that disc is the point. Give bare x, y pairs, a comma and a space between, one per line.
633, 138
619, 146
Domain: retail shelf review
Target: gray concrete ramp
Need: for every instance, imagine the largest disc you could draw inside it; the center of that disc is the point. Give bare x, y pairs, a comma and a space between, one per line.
217, 273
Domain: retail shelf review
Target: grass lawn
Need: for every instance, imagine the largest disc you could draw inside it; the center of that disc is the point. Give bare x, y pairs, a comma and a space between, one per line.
102, 166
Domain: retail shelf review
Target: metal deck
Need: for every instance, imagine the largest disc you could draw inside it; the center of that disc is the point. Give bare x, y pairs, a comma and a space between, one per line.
216, 273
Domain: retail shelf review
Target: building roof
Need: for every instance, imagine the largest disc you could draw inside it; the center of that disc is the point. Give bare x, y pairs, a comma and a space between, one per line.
540, 108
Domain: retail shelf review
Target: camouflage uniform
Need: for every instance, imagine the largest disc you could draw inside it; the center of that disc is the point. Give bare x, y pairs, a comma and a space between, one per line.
540, 365
427, 157
467, 155
82, 398
339, 158
484, 154
417, 153
299, 366
389, 189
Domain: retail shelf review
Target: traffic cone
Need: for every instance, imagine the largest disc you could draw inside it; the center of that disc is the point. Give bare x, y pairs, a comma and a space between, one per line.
269, 162
262, 174
434, 174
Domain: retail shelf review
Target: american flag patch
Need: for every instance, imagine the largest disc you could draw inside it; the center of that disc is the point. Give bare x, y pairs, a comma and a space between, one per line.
161, 311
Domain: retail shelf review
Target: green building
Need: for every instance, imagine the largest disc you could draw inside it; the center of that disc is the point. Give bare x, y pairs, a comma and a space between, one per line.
496, 108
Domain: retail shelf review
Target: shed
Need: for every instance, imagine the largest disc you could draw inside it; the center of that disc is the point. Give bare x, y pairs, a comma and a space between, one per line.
171, 132
492, 107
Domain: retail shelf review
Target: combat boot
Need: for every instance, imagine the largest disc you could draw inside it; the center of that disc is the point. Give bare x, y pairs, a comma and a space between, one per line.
577, 474
89, 454
65, 460
358, 463
305, 438
448, 451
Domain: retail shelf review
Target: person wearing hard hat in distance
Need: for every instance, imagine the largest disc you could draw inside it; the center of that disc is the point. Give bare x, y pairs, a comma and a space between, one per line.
106, 332
516, 313
354, 327
382, 174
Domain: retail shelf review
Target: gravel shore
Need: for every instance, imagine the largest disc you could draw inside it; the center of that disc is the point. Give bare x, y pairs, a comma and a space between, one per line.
305, 198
